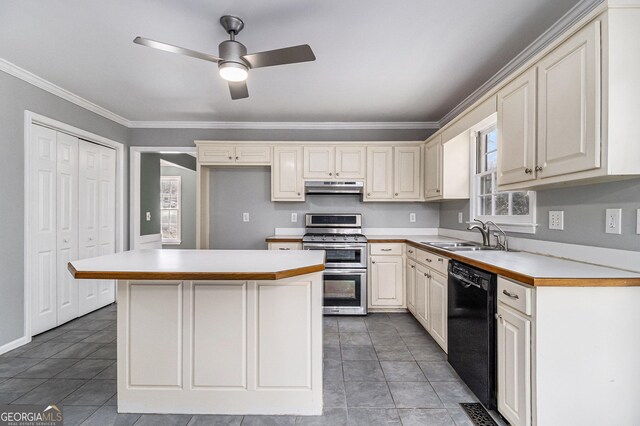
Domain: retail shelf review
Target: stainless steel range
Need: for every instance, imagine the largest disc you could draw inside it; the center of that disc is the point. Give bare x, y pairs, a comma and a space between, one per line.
345, 276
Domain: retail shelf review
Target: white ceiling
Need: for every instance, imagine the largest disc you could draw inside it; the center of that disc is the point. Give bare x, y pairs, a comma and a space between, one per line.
377, 60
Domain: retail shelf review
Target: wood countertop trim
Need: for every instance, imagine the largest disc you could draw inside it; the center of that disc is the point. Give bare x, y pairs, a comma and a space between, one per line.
388, 240
284, 240
525, 279
194, 276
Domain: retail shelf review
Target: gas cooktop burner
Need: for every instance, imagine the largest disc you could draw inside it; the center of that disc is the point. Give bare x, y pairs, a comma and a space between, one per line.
334, 238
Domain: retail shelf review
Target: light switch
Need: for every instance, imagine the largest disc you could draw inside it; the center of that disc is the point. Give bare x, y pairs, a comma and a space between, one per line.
459, 217
245, 217
294, 217
613, 218
556, 220
148, 216
638, 221
412, 217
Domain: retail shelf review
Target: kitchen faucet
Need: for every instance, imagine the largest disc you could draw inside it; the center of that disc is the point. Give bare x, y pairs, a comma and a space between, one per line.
483, 230
499, 245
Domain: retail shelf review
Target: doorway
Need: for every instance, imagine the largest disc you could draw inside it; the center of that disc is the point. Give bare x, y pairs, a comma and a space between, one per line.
163, 198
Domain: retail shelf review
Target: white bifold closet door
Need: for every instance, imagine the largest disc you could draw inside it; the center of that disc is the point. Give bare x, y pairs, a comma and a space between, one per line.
72, 199
96, 219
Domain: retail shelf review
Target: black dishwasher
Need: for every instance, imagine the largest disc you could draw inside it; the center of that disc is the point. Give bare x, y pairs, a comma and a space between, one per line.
472, 330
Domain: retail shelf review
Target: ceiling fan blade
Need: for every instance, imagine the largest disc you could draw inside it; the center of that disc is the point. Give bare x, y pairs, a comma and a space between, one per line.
174, 49
287, 55
238, 89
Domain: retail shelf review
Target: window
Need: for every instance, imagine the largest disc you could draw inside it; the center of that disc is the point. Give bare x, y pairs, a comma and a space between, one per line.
516, 210
170, 200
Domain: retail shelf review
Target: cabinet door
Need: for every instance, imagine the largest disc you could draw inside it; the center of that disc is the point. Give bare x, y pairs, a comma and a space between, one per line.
286, 174
569, 105
216, 154
43, 229
350, 162
514, 366
379, 173
410, 279
517, 129
319, 162
88, 219
246, 154
408, 178
107, 218
67, 224
386, 281
422, 283
433, 168
438, 308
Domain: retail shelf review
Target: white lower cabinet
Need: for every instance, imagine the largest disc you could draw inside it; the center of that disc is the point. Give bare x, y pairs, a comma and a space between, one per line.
410, 279
387, 285
438, 308
422, 292
288, 245
513, 359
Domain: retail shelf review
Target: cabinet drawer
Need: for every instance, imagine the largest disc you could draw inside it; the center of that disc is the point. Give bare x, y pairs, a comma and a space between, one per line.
518, 296
253, 154
412, 252
392, 249
433, 261
285, 246
218, 154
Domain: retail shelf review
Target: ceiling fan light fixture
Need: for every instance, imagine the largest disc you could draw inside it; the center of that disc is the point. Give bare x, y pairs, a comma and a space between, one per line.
233, 71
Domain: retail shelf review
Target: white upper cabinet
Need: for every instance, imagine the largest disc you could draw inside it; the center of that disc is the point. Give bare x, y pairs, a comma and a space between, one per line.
350, 162
286, 174
517, 129
212, 153
334, 162
569, 105
379, 185
408, 173
433, 166
319, 162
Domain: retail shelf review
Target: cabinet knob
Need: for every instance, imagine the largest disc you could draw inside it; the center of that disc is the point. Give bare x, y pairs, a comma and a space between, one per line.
440, 259
237, 157
65, 240
437, 190
330, 174
410, 251
373, 261
337, 174
230, 158
429, 260
412, 266
368, 194
90, 238
298, 194
396, 194
538, 169
528, 170
426, 275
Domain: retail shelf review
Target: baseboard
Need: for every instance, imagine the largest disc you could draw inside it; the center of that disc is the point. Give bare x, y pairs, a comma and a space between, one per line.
14, 344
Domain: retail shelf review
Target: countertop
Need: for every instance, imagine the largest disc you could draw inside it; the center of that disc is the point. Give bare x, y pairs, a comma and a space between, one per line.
528, 268
199, 265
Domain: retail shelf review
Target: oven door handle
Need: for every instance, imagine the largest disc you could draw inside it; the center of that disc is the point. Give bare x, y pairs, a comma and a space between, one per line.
333, 246
345, 271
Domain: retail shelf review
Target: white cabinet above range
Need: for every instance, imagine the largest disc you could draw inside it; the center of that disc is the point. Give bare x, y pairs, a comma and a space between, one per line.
334, 162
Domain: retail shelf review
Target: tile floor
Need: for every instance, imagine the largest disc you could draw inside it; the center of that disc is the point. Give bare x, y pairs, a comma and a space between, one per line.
383, 369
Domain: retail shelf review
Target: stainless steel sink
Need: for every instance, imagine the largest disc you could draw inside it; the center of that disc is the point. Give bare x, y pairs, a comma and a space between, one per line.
459, 246
475, 248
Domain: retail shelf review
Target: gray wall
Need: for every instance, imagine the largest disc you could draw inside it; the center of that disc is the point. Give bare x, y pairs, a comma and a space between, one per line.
184, 160
187, 208
185, 137
16, 97
238, 190
149, 193
584, 213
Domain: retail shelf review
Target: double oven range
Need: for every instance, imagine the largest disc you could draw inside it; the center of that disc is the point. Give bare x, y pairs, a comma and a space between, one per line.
345, 276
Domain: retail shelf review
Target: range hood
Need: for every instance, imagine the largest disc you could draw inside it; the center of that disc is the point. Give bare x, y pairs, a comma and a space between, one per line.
333, 187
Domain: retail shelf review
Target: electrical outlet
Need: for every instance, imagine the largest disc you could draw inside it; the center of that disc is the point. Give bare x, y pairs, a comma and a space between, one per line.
245, 217
556, 220
638, 221
148, 216
612, 221
294, 217
459, 217
412, 217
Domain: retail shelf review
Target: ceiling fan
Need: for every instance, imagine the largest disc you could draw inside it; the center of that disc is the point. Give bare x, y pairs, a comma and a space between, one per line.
233, 61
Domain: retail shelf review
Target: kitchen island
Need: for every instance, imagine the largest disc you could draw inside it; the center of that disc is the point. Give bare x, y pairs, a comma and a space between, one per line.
216, 331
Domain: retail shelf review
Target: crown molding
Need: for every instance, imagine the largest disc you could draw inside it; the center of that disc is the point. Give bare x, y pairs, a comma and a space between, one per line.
575, 14
46, 85
292, 125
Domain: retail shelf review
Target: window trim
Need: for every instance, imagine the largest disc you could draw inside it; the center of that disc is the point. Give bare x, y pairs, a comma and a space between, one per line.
178, 240
520, 224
